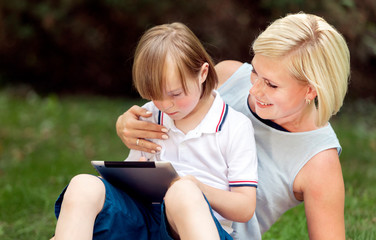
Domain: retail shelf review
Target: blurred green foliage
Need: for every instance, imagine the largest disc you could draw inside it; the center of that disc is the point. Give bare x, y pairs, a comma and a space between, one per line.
86, 46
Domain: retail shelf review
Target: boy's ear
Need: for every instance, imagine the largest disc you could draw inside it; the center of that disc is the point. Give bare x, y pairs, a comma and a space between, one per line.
203, 72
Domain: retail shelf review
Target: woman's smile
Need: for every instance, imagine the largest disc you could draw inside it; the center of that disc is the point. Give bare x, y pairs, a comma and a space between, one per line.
262, 104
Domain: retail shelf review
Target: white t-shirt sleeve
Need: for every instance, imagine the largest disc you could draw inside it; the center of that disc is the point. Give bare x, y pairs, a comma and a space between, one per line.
240, 151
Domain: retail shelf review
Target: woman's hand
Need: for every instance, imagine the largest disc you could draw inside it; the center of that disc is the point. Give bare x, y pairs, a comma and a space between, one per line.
134, 132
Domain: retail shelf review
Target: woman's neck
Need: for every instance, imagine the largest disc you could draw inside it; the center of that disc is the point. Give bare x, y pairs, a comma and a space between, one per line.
301, 122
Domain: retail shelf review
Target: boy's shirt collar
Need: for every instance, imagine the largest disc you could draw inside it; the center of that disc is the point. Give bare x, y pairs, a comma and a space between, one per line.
212, 122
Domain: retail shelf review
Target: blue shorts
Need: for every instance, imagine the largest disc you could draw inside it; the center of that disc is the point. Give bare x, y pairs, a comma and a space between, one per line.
124, 217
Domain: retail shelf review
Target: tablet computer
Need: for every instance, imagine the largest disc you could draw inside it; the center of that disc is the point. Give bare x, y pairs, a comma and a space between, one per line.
148, 181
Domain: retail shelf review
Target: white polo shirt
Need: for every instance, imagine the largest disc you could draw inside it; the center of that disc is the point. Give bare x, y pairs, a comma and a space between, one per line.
219, 152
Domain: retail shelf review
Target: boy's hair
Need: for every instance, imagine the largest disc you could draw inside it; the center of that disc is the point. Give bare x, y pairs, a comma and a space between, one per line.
178, 42
317, 54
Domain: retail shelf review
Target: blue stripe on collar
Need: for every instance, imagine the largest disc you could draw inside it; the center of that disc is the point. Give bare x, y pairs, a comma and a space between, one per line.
160, 117
223, 117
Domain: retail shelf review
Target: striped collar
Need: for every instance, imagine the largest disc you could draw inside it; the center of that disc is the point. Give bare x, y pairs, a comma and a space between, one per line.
212, 122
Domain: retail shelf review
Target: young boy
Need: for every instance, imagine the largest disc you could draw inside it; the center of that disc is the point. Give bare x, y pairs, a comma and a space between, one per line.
211, 146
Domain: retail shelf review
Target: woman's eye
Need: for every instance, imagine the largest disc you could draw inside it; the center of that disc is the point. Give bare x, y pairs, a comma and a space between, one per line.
254, 73
253, 76
270, 85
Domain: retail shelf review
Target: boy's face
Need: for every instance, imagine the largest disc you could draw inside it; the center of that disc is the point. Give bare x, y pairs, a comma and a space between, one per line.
175, 103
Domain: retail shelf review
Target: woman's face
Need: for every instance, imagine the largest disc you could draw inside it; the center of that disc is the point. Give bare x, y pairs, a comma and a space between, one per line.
175, 103
275, 94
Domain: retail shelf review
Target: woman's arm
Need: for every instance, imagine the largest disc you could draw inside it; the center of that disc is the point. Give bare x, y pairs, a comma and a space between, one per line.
322, 187
129, 128
225, 69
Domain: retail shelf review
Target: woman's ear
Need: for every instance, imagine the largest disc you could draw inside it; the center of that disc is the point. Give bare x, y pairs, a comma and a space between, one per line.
203, 72
311, 93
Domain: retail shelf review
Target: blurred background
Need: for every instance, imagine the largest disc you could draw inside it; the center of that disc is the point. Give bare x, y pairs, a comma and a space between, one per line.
86, 46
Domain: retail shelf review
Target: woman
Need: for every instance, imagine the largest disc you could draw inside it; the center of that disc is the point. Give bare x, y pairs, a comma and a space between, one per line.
298, 80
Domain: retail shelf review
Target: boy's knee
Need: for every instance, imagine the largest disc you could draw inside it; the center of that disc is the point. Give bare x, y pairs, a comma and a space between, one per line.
182, 194
85, 188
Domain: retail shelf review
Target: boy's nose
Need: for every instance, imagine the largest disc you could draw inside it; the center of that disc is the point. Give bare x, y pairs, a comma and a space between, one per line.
167, 104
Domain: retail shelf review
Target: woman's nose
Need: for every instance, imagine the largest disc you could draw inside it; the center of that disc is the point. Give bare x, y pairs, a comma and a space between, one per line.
257, 87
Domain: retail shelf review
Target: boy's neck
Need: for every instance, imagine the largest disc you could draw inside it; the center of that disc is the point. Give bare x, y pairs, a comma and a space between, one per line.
192, 120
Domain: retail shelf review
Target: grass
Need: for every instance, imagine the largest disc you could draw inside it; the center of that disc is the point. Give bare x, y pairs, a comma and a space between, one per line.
44, 142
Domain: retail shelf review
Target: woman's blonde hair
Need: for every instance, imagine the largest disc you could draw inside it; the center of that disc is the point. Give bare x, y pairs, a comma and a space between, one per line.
317, 54
178, 42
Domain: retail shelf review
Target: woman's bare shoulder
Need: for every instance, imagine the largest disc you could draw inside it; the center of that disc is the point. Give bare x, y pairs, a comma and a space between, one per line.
323, 169
225, 69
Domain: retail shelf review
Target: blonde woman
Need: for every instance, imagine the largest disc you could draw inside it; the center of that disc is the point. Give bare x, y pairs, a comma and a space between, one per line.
297, 80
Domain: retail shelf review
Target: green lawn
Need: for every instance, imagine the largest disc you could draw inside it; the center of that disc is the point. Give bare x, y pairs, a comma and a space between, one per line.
44, 142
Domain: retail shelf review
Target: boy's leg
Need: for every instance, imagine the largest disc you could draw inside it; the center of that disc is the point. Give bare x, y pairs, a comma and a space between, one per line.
188, 213
83, 200
110, 213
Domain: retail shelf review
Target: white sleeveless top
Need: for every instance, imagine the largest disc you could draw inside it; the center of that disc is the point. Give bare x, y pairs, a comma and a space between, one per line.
281, 156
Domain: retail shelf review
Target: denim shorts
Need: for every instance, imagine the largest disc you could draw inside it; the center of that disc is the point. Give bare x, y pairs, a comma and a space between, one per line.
124, 217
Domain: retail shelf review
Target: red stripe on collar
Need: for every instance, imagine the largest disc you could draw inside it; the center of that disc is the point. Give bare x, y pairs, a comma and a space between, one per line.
222, 118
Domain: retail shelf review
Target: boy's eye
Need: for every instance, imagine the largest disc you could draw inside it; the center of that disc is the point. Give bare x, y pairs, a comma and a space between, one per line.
176, 94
